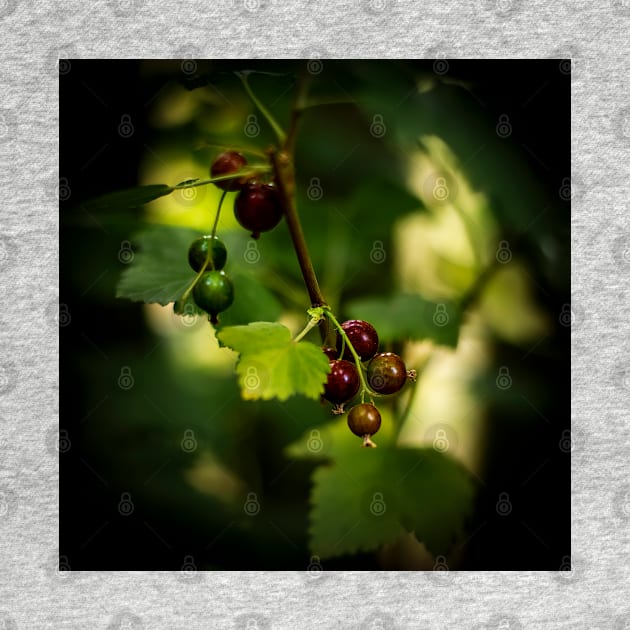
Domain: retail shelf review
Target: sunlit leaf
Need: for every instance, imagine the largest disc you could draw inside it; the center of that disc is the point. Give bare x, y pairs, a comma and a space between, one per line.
272, 365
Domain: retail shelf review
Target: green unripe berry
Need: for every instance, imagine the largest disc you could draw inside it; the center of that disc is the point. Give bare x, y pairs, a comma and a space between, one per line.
198, 252
214, 293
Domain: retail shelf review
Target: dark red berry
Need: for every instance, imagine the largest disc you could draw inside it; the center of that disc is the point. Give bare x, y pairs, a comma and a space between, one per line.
225, 164
331, 353
258, 208
343, 382
386, 373
364, 420
363, 337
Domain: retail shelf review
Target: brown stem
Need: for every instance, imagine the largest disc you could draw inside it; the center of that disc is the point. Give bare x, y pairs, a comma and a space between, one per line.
284, 169
299, 102
285, 179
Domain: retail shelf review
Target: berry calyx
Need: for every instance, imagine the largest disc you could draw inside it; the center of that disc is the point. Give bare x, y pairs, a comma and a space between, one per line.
364, 421
213, 293
331, 353
258, 207
343, 382
363, 338
225, 164
386, 373
198, 252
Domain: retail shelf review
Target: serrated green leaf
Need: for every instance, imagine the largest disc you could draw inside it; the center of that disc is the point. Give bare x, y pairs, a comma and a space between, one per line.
159, 271
129, 198
368, 497
409, 316
255, 337
436, 497
352, 507
272, 365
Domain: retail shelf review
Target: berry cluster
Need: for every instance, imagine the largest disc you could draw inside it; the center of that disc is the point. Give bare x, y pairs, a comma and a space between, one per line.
213, 291
386, 374
257, 208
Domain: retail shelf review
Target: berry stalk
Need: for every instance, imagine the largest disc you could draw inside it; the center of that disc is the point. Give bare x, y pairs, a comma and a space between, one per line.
357, 359
218, 213
200, 273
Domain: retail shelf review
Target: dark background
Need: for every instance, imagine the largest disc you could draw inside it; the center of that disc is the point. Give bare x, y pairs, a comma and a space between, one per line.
95, 159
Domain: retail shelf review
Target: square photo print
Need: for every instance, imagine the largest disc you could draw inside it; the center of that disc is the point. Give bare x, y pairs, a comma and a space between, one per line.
315, 315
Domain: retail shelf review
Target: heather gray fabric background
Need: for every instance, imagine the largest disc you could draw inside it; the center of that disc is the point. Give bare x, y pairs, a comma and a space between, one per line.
34, 594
